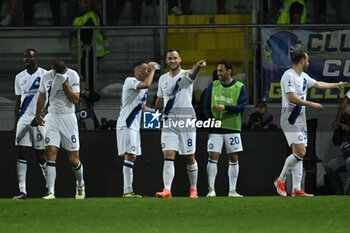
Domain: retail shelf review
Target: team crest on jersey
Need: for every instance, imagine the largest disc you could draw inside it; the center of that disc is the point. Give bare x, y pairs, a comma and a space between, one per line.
211, 146
24, 82
166, 84
47, 140
49, 83
300, 137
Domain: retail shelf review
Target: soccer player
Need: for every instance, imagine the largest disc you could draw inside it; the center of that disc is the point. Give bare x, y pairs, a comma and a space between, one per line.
61, 127
294, 85
134, 96
175, 90
225, 100
26, 89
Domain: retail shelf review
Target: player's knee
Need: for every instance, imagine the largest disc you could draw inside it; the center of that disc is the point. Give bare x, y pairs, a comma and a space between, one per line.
214, 155
130, 157
190, 159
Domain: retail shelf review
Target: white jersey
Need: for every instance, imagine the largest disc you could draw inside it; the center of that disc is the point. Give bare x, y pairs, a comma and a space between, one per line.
132, 102
27, 86
348, 94
293, 117
58, 101
177, 93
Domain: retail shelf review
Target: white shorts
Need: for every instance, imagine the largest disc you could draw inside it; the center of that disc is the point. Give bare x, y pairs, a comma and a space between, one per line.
296, 137
128, 141
27, 135
183, 142
62, 129
233, 142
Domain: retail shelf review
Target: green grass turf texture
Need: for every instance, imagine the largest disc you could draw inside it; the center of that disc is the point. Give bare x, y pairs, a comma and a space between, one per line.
179, 214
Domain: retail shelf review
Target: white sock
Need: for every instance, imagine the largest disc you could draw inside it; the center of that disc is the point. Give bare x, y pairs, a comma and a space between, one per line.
297, 174
233, 170
212, 170
51, 176
289, 164
21, 175
192, 172
78, 173
128, 175
168, 173
43, 170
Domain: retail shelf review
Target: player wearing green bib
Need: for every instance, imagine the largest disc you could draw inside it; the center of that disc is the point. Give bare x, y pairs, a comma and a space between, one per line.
225, 100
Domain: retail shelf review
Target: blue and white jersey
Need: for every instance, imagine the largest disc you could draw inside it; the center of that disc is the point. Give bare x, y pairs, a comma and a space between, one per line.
293, 117
52, 85
132, 102
177, 94
27, 87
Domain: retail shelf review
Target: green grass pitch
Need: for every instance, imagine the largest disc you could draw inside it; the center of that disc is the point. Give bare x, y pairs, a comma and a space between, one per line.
180, 214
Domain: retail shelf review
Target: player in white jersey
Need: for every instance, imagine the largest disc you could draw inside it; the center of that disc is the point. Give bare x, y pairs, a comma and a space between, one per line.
294, 85
128, 125
61, 126
174, 99
26, 89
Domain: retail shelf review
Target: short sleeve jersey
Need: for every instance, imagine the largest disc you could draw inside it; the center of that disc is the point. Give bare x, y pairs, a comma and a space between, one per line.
177, 93
58, 100
132, 102
27, 87
293, 116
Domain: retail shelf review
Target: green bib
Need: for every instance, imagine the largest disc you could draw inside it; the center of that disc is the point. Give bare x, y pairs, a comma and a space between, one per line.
226, 96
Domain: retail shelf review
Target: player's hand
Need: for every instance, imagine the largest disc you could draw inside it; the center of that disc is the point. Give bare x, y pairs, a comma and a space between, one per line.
340, 85
218, 108
40, 120
34, 123
201, 63
317, 106
152, 65
65, 84
336, 124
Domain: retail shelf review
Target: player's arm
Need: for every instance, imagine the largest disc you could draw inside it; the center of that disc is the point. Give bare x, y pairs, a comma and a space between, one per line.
16, 110
196, 68
148, 80
159, 104
71, 95
324, 85
341, 108
293, 98
39, 107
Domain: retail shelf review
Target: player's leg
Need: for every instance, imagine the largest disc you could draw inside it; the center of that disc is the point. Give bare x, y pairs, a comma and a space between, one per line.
187, 146
22, 171
170, 144
297, 141
128, 175
51, 154
39, 146
215, 143
78, 171
233, 145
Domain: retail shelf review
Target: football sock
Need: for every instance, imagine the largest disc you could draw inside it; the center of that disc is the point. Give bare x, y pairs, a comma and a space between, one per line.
192, 172
233, 170
212, 170
168, 173
289, 164
51, 176
43, 169
128, 175
21, 175
78, 173
297, 174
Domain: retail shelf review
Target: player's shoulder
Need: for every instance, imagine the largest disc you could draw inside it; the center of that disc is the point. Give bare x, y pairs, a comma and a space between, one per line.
21, 74
71, 72
41, 71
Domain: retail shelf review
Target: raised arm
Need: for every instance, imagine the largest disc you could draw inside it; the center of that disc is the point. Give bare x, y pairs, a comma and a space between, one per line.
148, 80
196, 68
39, 107
71, 95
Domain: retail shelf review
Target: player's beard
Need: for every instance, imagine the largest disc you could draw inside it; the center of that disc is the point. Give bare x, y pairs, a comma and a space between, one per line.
173, 69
